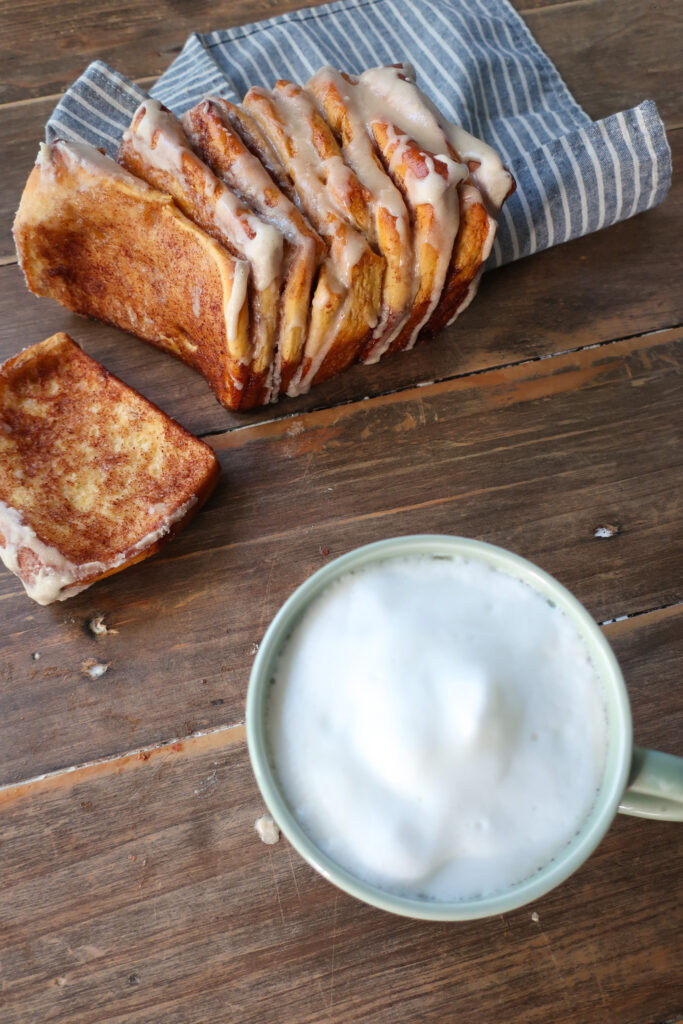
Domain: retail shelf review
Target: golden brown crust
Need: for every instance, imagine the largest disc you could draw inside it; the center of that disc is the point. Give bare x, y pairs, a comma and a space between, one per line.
210, 126
345, 313
107, 246
389, 230
258, 145
466, 261
99, 475
204, 199
414, 162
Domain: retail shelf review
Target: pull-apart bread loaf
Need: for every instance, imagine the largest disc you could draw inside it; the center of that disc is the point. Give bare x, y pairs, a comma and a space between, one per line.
271, 244
93, 477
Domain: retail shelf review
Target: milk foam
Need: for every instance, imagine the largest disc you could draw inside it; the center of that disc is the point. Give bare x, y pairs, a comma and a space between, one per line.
437, 727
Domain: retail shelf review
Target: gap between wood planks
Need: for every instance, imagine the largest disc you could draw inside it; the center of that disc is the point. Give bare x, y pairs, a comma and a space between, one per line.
320, 416
216, 738
406, 389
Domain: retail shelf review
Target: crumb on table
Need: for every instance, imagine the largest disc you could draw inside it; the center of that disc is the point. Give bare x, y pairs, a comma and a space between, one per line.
268, 831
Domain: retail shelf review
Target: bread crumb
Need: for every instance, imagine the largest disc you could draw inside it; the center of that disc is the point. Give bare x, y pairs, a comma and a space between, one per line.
607, 530
94, 669
267, 830
98, 626
534, 917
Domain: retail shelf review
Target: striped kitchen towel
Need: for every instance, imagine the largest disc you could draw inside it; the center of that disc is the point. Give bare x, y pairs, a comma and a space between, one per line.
477, 61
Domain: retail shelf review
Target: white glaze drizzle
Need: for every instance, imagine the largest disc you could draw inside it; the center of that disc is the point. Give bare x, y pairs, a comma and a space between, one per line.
81, 154
321, 185
378, 97
235, 304
441, 194
427, 126
251, 181
58, 578
317, 181
243, 172
359, 153
390, 94
159, 139
301, 382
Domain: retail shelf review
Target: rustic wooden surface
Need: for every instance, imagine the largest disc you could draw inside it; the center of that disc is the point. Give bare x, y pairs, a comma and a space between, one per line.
134, 889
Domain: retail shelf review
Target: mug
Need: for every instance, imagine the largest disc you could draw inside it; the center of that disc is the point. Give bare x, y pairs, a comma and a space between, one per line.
635, 781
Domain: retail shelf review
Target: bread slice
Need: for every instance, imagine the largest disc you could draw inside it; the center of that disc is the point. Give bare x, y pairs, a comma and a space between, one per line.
107, 245
430, 160
93, 477
347, 300
215, 128
390, 230
156, 149
480, 195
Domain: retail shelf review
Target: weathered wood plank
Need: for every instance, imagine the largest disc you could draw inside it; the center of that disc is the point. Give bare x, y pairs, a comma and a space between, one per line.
44, 48
138, 890
613, 284
534, 458
612, 54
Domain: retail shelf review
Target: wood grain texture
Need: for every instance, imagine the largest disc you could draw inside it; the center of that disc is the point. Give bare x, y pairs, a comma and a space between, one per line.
534, 458
138, 891
135, 889
616, 283
43, 48
46, 46
613, 55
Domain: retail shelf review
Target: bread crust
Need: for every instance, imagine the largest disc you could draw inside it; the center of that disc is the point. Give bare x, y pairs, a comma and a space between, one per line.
346, 304
93, 477
389, 229
106, 245
156, 149
213, 128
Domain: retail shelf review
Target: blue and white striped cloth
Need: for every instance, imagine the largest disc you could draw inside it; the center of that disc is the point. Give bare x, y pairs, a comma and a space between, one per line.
477, 61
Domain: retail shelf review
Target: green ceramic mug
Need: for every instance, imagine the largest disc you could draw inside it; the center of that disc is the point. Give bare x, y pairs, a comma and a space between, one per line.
635, 781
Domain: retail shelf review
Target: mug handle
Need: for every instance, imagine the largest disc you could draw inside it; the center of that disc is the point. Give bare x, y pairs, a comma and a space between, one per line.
655, 786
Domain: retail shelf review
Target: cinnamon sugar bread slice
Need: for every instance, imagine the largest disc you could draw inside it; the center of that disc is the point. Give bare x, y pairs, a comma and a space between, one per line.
156, 149
347, 300
93, 477
107, 245
390, 228
453, 227
220, 132
480, 195
426, 176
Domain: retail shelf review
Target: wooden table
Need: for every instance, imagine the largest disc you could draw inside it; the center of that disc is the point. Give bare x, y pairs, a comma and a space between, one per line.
133, 885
